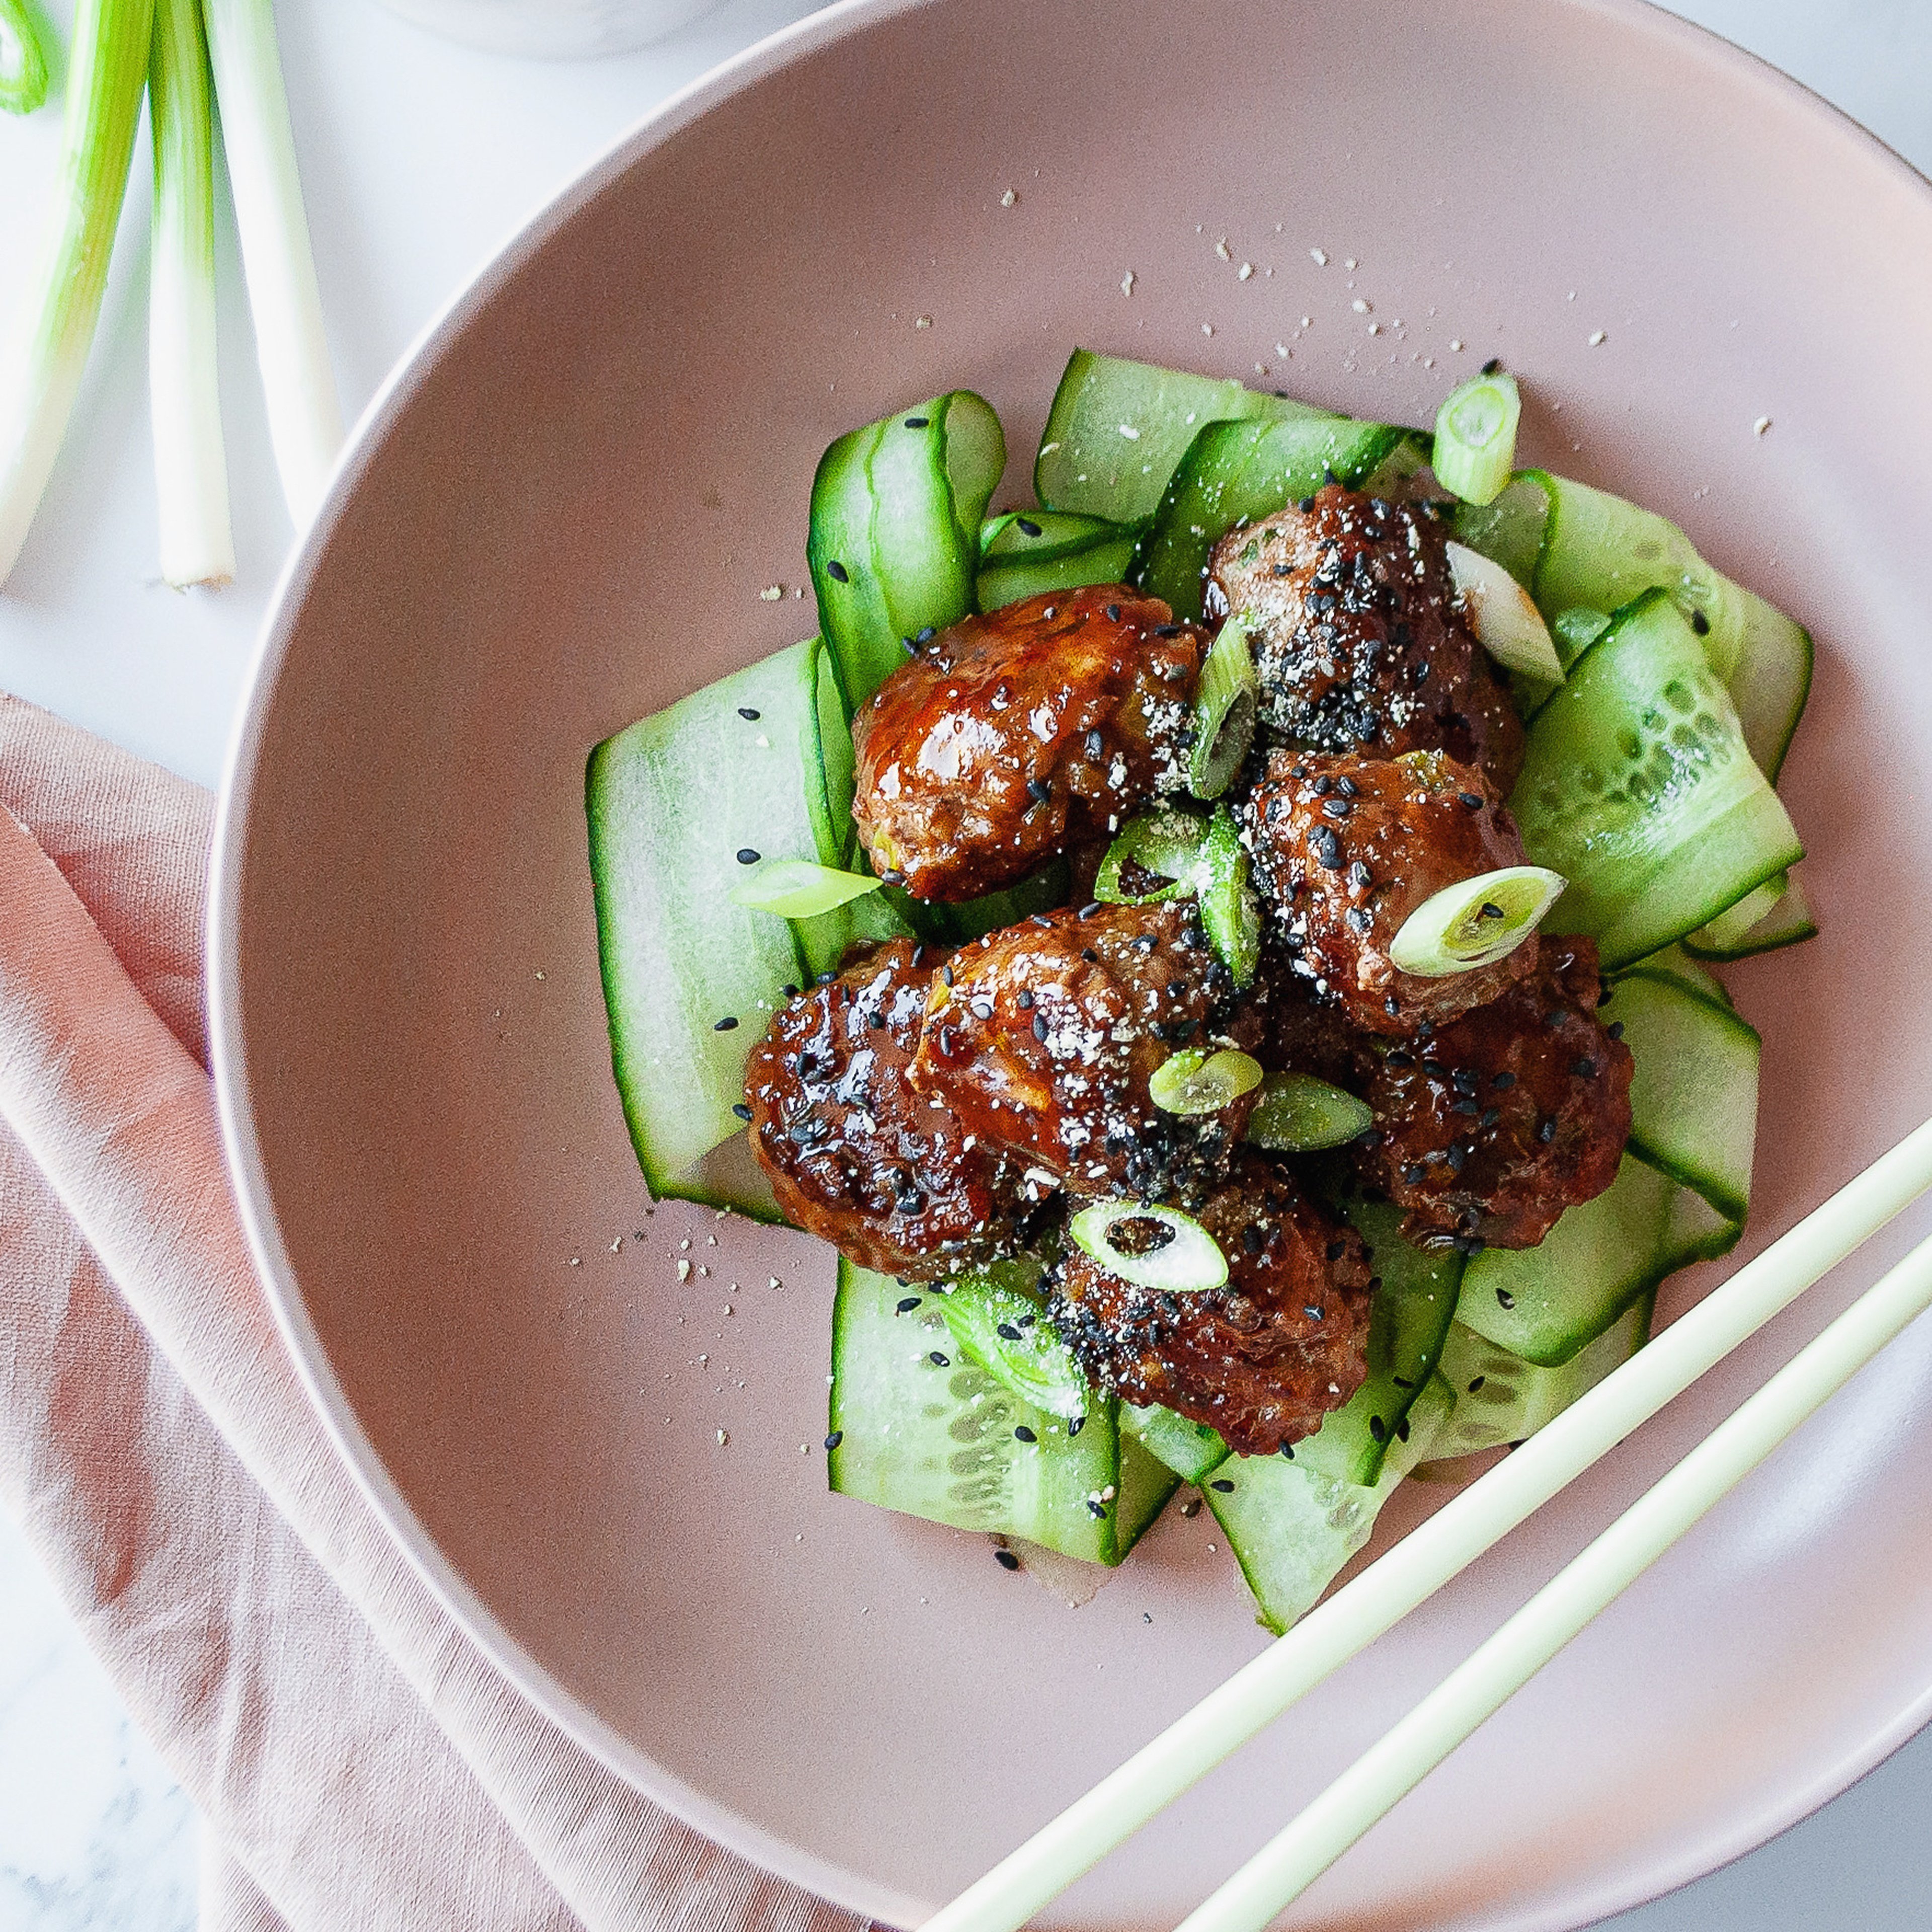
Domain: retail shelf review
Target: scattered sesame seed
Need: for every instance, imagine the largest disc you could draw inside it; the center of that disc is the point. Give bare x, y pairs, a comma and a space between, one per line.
919, 422
1005, 1559
938, 1360
1007, 200
1359, 306
1221, 1486
743, 1112
1597, 340
722, 1439
1456, 345
771, 592
1022, 1433
1242, 274
1127, 282
1504, 1299
728, 1024
837, 1436
1759, 427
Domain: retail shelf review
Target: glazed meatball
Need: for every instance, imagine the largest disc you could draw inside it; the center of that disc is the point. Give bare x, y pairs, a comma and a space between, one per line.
1299, 1031
1345, 848
1358, 641
1042, 1039
1011, 736
1491, 1126
854, 1153
1263, 1358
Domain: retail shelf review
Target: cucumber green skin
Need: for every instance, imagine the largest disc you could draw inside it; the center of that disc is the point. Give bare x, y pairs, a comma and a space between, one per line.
936, 1440
898, 509
955, 925
1191, 1450
668, 802
1292, 1526
1006, 580
1675, 962
1086, 466
1772, 682
1786, 923
1652, 851
1236, 473
1407, 1320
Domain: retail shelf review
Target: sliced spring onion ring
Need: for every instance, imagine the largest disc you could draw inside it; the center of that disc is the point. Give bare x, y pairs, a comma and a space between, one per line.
1166, 843
1229, 910
1188, 1262
1475, 437
1205, 858
1475, 922
1297, 1114
1574, 630
796, 889
29, 53
1507, 622
1197, 1081
1224, 712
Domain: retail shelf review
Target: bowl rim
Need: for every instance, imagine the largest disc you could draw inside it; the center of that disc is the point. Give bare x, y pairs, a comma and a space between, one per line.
1636, 1884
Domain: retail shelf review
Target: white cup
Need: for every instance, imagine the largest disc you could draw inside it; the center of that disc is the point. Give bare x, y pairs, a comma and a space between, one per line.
555, 29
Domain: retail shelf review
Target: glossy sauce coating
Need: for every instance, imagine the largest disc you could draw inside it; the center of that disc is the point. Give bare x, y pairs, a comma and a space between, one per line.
1011, 736
1491, 1126
1346, 847
1358, 642
1046, 1037
855, 1154
1264, 1358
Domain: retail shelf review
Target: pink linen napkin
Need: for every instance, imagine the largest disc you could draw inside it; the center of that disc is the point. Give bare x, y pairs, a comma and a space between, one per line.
357, 1763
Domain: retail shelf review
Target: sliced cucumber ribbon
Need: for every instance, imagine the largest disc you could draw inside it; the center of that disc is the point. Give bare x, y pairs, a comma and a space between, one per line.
797, 888
1197, 1081
1189, 1262
1225, 710
1298, 1114
1506, 623
1475, 922
1027, 552
1475, 437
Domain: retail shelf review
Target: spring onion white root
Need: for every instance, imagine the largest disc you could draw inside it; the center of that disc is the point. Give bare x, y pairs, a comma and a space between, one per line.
304, 416
41, 368
197, 542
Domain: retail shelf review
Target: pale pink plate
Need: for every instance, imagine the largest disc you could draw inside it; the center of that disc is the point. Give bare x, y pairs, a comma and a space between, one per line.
561, 515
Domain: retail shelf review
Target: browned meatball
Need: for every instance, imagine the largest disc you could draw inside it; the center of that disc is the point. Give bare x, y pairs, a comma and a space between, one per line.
1013, 735
1492, 1126
1042, 1039
1358, 642
854, 1153
1345, 848
1298, 1031
1263, 1358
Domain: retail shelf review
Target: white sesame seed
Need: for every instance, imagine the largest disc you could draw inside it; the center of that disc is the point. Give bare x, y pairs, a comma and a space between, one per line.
1350, 262
1759, 427
722, 1439
1126, 288
1221, 249
1375, 328
683, 1270
1597, 340
1206, 328
1456, 344
1242, 273
1132, 434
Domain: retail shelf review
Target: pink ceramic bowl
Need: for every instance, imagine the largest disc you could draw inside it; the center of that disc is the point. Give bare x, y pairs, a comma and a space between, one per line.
561, 514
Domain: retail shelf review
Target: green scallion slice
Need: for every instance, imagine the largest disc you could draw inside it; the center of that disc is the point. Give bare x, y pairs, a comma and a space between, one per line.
796, 889
1297, 1113
1230, 911
1197, 1081
1505, 619
1167, 844
28, 54
1475, 437
1224, 712
1475, 922
1159, 1249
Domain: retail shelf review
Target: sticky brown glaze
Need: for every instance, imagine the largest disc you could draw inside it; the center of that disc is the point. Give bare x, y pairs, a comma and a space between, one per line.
1014, 735
1346, 847
1358, 641
1298, 1031
1493, 1125
1041, 1039
1264, 1358
855, 1154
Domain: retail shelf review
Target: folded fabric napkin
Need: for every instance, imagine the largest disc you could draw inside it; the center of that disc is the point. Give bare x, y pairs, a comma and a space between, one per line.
357, 1763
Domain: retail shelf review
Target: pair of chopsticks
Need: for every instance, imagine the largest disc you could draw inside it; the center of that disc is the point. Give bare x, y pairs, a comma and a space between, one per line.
1449, 1541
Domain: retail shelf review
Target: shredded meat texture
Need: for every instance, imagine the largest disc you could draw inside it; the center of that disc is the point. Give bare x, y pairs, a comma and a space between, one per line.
1358, 642
854, 1152
1012, 736
1264, 1358
1041, 1039
1491, 1126
1346, 847
1297, 1031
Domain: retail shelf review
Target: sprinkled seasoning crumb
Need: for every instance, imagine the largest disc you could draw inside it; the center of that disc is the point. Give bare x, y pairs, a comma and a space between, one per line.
1206, 328
1319, 256
771, 592
1244, 272
722, 1439
1456, 345
1359, 306
683, 1270
1598, 339
1126, 288
1758, 428
922, 322
1221, 249
1007, 200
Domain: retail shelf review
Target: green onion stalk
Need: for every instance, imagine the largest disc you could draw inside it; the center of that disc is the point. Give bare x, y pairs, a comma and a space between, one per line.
304, 416
197, 540
41, 372
28, 54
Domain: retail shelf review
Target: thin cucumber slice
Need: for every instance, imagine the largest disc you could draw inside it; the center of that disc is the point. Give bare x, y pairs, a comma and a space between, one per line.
1637, 787
894, 546
1500, 1398
1235, 472
918, 1429
1292, 1527
1694, 1096
1783, 919
1189, 1449
671, 802
1674, 963
1718, 939
1511, 530
995, 1317
1410, 1316
940, 924
1106, 560
1116, 429
1771, 681
1574, 630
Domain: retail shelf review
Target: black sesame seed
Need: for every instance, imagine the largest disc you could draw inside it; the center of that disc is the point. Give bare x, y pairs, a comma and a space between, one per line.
728, 1024
1089, 909
1024, 1002
1252, 1239
1027, 526
1547, 1132
1379, 1429
1087, 953
1473, 800
837, 1436
1614, 1029
1007, 1332
1039, 791
1336, 1250
1167, 630
1113, 614
745, 711
1490, 367
1074, 1427
945, 974
1700, 623
926, 636
1005, 1559
838, 572
1415, 1175
891, 878
1370, 1138
1022, 1433
1402, 1430
1476, 1384
1328, 847
1305, 505
1392, 1005
743, 1112
1359, 876
1099, 1508
1503, 1082
1490, 911
1288, 1450
1585, 1069
938, 1360
1313, 1313
1504, 1299
918, 422
1222, 1485
748, 855
1039, 1027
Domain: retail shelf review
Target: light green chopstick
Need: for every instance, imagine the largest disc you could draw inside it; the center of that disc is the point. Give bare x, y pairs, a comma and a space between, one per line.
1438, 1549
1398, 1762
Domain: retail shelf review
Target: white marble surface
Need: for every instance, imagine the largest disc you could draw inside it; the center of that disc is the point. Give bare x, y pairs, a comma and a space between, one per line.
419, 159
